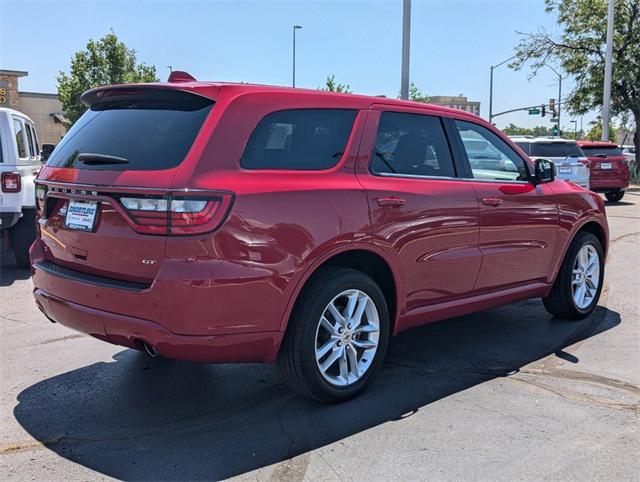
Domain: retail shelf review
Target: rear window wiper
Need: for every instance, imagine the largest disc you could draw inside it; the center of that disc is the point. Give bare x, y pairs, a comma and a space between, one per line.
95, 159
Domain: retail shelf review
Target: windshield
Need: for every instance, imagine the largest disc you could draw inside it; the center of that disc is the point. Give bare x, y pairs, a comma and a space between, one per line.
602, 151
555, 149
147, 136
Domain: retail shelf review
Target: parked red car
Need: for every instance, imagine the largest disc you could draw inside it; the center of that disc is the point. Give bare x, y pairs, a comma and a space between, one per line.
608, 168
219, 222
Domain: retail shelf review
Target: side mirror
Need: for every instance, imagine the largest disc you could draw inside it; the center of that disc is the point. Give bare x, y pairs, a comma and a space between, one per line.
545, 171
46, 151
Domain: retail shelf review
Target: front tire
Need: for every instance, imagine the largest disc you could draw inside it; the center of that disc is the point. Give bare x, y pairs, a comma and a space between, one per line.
577, 288
337, 336
614, 196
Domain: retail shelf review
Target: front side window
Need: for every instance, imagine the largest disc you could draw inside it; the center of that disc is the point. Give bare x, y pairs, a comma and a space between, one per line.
411, 144
303, 139
489, 156
18, 128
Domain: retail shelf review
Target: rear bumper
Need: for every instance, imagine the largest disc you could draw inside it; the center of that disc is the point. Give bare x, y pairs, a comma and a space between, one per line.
610, 184
132, 332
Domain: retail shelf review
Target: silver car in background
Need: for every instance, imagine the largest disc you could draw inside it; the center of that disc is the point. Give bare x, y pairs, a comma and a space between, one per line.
571, 163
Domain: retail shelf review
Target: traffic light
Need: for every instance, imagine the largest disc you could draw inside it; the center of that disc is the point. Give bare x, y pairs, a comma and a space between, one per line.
543, 110
555, 131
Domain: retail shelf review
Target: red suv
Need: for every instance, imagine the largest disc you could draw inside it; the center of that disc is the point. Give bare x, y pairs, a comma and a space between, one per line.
608, 169
220, 222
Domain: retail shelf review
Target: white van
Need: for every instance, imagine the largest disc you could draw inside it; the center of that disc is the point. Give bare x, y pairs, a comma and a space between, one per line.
19, 165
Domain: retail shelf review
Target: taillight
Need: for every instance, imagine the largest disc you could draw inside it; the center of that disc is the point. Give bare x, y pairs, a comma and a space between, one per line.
10, 182
41, 192
584, 161
176, 214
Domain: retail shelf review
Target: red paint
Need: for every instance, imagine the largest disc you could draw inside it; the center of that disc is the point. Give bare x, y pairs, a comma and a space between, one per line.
603, 180
452, 245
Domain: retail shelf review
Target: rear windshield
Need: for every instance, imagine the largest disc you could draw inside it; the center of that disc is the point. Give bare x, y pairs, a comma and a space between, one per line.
524, 146
304, 139
148, 135
602, 151
555, 149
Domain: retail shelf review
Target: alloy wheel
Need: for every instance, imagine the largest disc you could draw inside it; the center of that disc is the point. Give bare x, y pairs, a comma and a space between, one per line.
347, 337
585, 277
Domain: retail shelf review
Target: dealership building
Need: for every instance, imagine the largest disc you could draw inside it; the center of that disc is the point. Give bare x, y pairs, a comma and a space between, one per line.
456, 102
44, 109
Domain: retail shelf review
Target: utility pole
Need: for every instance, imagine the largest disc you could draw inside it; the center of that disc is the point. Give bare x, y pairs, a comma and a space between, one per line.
606, 100
406, 40
295, 27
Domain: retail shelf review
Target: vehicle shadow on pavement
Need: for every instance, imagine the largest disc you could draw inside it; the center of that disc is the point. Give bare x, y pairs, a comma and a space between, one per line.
153, 419
9, 272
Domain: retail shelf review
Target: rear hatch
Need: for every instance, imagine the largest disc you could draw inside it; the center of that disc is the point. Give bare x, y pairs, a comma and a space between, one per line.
571, 163
605, 161
105, 197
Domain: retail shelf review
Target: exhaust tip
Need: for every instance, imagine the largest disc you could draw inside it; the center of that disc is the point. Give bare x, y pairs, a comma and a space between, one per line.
151, 351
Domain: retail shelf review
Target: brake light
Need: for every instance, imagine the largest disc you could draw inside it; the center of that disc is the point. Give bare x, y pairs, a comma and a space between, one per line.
177, 215
11, 182
584, 161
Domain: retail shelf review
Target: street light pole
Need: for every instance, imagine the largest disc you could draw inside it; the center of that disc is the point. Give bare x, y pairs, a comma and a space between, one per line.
295, 27
491, 69
406, 41
575, 129
606, 100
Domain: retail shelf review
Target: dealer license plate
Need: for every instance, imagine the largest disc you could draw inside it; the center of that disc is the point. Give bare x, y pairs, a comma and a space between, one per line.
81, 215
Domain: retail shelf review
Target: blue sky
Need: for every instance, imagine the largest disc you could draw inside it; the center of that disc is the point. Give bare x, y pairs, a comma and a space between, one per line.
452, 45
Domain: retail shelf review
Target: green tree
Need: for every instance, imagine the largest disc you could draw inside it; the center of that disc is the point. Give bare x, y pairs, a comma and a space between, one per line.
332, 86
103, 62
595, 133
580, 51
416, 95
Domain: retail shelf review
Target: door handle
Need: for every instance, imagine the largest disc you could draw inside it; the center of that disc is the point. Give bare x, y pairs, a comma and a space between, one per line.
491, 201
390, 201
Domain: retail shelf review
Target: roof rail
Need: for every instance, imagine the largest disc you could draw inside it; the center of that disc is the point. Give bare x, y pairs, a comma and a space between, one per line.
180, 76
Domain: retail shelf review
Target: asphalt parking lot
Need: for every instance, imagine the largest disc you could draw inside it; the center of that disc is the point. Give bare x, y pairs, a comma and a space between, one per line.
505, 394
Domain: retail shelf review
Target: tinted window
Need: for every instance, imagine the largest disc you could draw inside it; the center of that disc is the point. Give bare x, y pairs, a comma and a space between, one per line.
305, 139
18, 128
602, 151
29, 133
35, 147
524, 146
489, 156
153, 136
411, 144
555, 149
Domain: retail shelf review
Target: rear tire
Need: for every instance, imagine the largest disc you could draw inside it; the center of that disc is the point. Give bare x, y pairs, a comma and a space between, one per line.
614, 196
23, 234
315, 336
566, 300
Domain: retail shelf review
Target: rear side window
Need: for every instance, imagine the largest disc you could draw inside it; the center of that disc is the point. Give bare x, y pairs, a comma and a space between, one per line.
555, 149
18, 128
29, 133
411, 144
35, 148
602, 151
305, 139
146, 134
